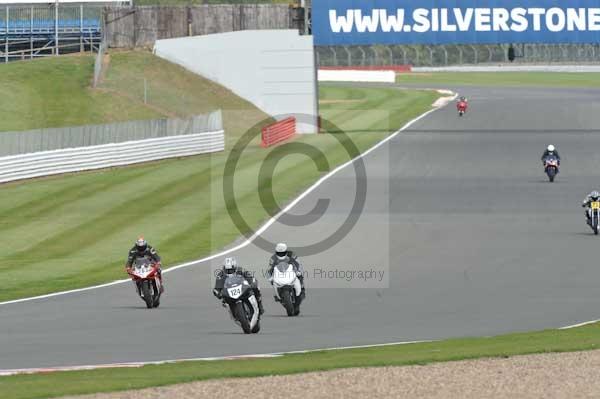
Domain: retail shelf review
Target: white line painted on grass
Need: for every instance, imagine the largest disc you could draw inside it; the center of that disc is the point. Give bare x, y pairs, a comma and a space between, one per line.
256, 233
238, 357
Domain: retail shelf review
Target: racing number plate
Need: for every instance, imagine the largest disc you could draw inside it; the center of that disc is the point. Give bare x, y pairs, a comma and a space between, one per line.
596, 205
235, 292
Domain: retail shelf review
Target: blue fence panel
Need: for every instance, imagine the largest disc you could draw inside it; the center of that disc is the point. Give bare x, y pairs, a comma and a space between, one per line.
352, 22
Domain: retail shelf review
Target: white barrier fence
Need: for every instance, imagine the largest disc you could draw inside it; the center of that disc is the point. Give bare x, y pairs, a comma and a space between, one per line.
348, 75
46, 163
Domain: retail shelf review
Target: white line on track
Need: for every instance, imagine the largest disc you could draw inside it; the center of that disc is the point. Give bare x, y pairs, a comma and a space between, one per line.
141, 364
256, 233
585, 323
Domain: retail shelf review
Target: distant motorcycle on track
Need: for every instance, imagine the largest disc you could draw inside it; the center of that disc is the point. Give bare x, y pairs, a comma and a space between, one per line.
594, 213
145, 275
461, 107
551, 167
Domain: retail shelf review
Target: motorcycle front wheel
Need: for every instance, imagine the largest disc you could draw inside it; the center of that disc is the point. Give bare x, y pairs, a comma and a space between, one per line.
240, 315
147, 293
286, 300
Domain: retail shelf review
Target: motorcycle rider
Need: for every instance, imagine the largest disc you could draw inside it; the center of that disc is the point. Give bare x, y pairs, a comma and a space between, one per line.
462, 104
591, 197
282, 254
141, 249
230, 267
550, 151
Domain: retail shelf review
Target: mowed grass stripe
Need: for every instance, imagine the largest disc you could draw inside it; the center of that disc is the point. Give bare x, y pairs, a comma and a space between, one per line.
64, 196
109, 222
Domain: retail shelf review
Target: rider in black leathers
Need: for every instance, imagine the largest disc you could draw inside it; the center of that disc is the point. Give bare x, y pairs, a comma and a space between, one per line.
141, 249
550, 151
230, 267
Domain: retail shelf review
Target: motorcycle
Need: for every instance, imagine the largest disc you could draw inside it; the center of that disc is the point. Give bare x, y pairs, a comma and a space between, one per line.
144, 274
551, 167
243, 306
461, 107
288, 287
594, 213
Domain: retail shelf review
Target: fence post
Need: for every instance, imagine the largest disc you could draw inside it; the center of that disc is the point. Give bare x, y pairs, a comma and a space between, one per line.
31, 36
391, 54
349, 54
445, 55
81, 28
56, 52
364, 56
375, 56
335, 63
6, 39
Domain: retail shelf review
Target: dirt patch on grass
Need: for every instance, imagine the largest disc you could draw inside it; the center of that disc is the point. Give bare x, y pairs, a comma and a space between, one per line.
566, 375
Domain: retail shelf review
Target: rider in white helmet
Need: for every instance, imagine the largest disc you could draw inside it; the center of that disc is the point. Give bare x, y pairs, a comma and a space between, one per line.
283, 254
230, 266
550, 151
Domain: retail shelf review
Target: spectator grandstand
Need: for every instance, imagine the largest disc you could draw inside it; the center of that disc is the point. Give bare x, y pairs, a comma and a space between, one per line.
41, 28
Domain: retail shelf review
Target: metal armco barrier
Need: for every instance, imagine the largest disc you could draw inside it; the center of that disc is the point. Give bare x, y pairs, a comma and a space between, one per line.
46, 163
278, 132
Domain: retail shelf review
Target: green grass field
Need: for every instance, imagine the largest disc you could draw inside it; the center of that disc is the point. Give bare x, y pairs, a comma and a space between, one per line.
56, 92
82, 382
506, 79
64, 232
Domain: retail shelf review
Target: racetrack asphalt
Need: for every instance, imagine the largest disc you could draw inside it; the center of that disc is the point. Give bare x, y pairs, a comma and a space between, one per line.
471, 238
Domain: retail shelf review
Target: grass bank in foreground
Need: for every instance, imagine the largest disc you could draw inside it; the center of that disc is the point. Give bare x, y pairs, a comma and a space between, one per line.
505, 79
106, 380
56, 92
66, 232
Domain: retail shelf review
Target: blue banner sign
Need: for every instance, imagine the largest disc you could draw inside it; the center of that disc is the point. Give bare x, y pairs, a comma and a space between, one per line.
349, 22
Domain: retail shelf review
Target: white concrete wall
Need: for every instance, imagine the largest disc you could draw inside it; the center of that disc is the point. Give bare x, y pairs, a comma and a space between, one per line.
350, 75
273, 69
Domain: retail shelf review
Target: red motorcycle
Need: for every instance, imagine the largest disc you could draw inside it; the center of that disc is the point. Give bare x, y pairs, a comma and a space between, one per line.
146, 276
461, 107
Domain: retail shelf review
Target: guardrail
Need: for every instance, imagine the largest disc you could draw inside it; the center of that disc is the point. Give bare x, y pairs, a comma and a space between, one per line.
46, 163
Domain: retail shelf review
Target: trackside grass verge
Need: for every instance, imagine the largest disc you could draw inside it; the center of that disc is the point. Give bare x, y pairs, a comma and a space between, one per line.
505, 79
66, 232
106, 380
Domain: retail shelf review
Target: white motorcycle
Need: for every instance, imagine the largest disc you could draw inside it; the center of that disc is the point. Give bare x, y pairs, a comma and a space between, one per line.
288, 288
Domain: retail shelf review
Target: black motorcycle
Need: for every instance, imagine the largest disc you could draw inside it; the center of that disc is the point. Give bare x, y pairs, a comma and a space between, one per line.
243, 306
